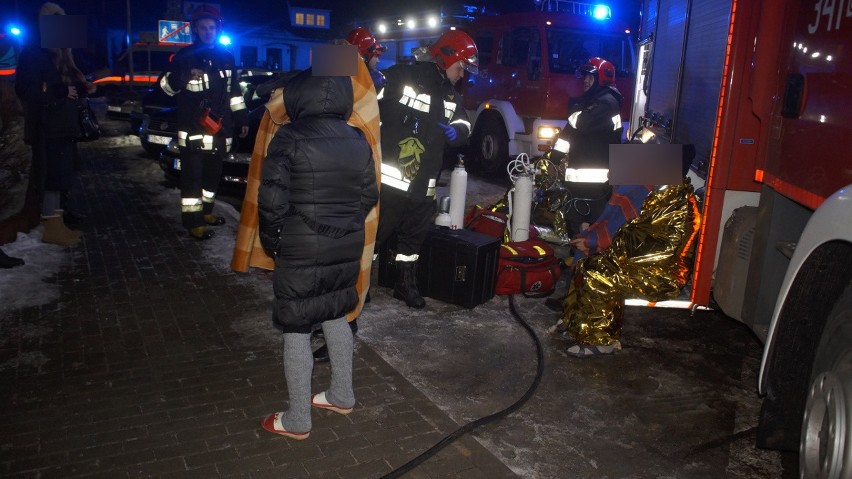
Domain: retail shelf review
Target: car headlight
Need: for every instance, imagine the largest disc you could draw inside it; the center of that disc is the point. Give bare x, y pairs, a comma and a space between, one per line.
172, 147
547, 132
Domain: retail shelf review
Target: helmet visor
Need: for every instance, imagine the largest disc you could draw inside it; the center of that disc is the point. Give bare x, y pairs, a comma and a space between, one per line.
587, 69
471, 64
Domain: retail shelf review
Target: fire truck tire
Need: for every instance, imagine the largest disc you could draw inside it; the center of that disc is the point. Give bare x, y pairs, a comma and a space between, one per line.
826, 442
491, 145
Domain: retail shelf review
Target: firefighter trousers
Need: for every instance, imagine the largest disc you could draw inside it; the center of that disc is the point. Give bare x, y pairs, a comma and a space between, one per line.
200, 172
407, 219
584, 204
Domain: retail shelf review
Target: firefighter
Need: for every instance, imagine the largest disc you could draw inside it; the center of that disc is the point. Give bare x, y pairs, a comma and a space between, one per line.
203, 78
369, 48
421, 113
594, 123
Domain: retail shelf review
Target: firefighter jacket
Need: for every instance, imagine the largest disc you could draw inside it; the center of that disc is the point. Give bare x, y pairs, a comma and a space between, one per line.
218, 89
415, 100
594, 123
318, 183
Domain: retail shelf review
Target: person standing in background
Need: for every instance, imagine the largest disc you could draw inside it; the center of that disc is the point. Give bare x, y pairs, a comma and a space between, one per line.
370, 50
49, 85
204, 78
421, 113
594, 123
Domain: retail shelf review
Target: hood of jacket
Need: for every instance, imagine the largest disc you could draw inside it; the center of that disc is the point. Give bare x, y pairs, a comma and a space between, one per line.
307, 95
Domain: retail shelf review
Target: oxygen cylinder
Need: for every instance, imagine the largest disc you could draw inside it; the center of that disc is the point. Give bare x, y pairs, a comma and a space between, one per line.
521, 208
458, 191
443, 218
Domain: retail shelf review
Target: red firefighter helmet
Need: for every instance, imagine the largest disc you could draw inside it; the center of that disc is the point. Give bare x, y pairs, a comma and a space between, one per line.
454, 46
367, 45
604, 70
206, 11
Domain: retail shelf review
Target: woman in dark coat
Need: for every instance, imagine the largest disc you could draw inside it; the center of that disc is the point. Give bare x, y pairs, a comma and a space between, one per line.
49, 85
318, 184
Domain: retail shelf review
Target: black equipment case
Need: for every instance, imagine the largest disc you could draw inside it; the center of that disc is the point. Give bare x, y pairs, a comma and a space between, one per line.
455, 266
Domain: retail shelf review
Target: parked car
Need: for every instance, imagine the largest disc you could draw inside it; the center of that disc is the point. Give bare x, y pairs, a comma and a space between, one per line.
123, 98
156, 125
161, 133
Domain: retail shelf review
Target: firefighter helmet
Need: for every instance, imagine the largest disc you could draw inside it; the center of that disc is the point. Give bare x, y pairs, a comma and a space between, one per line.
455, 46
206, 11
367, 45
604, 70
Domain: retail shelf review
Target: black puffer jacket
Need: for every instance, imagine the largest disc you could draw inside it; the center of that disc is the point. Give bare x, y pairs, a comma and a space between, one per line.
318, 184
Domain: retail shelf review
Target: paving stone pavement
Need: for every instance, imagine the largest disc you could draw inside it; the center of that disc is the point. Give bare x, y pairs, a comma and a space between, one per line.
155, 362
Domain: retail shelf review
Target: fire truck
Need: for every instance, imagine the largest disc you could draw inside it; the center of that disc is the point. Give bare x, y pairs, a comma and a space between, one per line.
763, 90
527, 62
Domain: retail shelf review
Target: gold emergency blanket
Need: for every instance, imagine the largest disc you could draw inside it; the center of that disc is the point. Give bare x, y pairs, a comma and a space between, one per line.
649, 258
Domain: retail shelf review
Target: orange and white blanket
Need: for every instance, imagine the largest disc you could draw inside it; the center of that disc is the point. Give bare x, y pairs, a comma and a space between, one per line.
248, 251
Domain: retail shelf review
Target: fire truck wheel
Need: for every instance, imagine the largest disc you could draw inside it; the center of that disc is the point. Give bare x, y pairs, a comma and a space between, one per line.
491, 145
826, 441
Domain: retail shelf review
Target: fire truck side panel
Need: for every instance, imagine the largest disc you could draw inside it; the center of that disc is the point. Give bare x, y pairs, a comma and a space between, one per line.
812, 131
693, 121
666, 61
693, 34
807, 175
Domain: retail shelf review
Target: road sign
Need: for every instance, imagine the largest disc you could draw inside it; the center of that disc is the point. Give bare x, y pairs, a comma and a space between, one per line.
174, 31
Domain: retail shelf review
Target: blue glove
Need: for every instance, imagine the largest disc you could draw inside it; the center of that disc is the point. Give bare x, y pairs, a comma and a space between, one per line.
449, 132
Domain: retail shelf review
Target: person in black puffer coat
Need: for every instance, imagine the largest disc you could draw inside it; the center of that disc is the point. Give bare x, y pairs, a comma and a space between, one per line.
318, 184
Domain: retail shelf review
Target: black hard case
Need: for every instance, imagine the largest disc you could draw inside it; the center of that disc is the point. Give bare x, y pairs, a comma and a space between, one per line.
455, 266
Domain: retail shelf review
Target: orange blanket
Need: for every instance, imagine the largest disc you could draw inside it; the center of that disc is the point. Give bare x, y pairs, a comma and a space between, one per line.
248, 251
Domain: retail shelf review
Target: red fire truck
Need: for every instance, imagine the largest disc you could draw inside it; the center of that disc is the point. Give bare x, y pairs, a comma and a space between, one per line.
519, 100
763, 89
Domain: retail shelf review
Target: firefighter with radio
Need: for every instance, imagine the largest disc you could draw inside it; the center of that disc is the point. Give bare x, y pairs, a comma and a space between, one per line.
369, 48
203, 78
421, 114
594, 123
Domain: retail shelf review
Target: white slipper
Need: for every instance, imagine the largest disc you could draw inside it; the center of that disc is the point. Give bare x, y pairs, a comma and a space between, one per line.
320, 401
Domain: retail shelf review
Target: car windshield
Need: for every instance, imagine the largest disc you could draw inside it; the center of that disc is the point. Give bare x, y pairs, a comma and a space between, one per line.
570, 49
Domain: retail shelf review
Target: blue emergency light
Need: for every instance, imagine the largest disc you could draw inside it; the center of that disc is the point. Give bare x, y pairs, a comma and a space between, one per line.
225, 40
602, 12
15, 31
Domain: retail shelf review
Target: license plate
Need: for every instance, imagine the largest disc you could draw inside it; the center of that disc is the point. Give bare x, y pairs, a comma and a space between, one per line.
113, 108
159, 140
177, 164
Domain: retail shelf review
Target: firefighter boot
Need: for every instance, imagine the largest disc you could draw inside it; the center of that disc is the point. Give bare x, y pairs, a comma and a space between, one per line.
55, 231
405, 287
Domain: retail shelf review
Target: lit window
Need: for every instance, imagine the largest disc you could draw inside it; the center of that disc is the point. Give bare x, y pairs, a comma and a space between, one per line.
300, 19
320, 20
310, 19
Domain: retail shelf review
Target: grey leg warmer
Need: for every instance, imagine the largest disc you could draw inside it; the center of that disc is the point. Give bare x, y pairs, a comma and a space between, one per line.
338, 336
298, 367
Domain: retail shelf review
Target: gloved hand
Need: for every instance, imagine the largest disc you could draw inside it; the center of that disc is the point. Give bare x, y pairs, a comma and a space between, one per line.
449, 132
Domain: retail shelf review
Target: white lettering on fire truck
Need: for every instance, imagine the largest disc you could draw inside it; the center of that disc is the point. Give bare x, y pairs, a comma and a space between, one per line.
833, 11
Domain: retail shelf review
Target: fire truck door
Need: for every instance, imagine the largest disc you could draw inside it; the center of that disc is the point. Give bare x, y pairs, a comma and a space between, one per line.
522, 59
